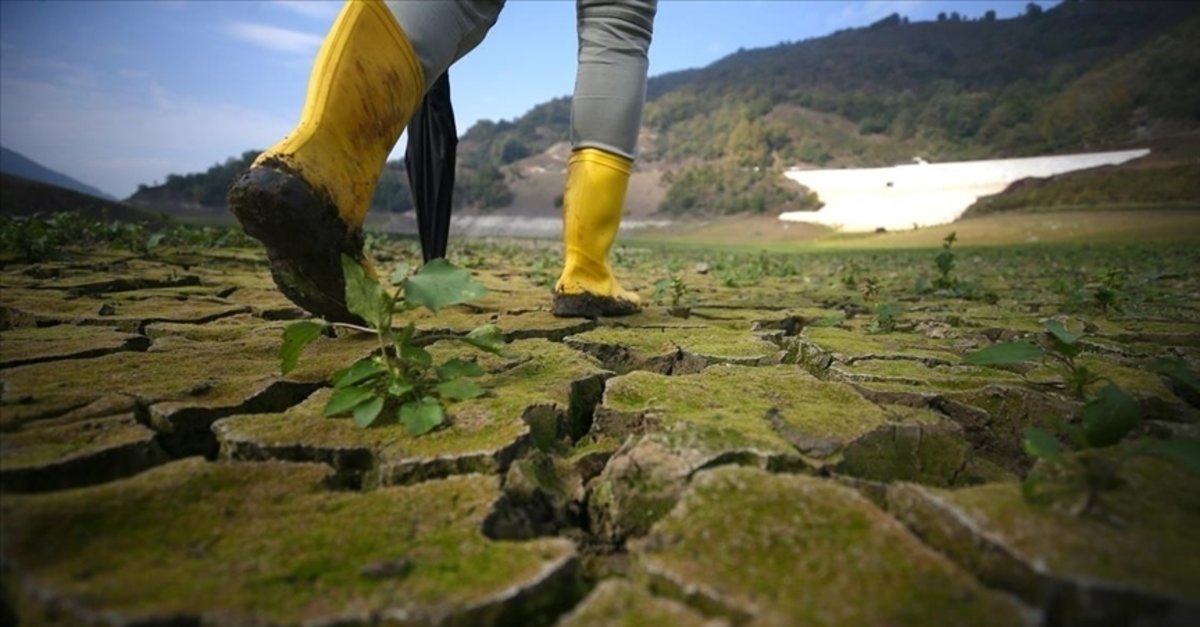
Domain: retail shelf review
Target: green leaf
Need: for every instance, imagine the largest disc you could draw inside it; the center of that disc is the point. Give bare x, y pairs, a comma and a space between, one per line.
365, 297
1185, 451
361, 370
439, 284
456, 368
366, 413
1065, 338
1005, 353
1176, 368
421, 417
459, 389
827, 321
296, 336
1029, 487
399, 388
416, 355
1109, 416
488, 337
155, 240
888, 310
346, 399
400, 273
1042, 445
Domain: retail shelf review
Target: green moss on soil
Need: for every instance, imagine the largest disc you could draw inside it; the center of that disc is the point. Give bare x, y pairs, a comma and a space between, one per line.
847, 345
24, 345
818, 554
129, 310
540, 377
266, 542
734, 402
175, 372
43, 445
713, 344
992, 528
902, 374
1139, 381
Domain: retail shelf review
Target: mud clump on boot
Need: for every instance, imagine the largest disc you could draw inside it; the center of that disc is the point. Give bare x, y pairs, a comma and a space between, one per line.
304, 237
591, 306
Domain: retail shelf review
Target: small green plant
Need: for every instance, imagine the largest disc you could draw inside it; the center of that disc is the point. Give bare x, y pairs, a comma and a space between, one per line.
1107, 418
886, 317
1106, 292
870, 288
945, 264
544, 270
400, 381
681, 297
850, 274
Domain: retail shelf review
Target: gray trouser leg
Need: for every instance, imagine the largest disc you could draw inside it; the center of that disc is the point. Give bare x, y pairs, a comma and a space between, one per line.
610, 86
442, 31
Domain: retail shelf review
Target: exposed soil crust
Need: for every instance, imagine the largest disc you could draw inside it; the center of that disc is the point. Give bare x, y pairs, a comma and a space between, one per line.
772, 454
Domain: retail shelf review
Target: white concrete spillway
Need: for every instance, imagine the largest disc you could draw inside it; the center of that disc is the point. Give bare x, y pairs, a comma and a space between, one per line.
924, 194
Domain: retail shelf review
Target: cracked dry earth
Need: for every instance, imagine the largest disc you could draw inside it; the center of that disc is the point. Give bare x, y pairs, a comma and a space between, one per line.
769, 460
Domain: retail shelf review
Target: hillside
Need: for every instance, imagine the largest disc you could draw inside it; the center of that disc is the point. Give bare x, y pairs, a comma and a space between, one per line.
20, 196
16, 164
1078, 77
1167, 178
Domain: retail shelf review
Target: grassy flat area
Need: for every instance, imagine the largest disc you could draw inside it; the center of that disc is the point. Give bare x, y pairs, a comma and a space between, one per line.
1066, 227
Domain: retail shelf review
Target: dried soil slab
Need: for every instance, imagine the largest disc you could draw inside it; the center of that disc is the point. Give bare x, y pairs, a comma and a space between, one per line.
811, 552
1156, 399
267, 303
618, 603
145, 278
1153, 331
127, 311
674, 350
885, 375
57, 456
849, 346
181, 385
24, 346
1082, 570
267, 543
775, 417
994, 419
516, 325
544, 398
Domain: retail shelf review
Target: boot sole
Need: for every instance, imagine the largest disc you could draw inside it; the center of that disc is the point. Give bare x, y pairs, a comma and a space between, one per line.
591, 306
303, 235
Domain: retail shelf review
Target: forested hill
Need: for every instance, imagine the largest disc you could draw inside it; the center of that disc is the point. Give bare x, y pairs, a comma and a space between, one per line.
1079, 76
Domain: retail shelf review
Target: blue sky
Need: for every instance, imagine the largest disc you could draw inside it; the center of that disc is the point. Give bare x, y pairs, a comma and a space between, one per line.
117, 93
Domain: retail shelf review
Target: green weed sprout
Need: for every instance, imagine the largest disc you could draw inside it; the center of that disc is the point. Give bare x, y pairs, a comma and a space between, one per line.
681, 297
1108, 417
886, 317
400, 381
945, 264
870, 288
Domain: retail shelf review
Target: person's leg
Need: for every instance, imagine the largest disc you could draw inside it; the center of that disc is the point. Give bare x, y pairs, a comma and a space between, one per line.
606, 112
306, 197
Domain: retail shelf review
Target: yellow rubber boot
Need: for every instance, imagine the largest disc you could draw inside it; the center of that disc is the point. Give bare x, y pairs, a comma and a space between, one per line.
306, 197
592, 206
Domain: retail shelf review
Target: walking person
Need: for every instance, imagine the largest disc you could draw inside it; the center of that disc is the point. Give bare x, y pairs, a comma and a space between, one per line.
306, 198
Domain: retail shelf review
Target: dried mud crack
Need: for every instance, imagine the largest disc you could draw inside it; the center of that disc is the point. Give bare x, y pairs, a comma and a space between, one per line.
763, 460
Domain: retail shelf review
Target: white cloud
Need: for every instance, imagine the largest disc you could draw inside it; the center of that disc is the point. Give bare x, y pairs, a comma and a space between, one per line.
311, 8
126, 130
275, 38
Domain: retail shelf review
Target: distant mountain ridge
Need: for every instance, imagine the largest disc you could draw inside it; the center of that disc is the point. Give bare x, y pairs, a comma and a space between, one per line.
1078, 77
16, 164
